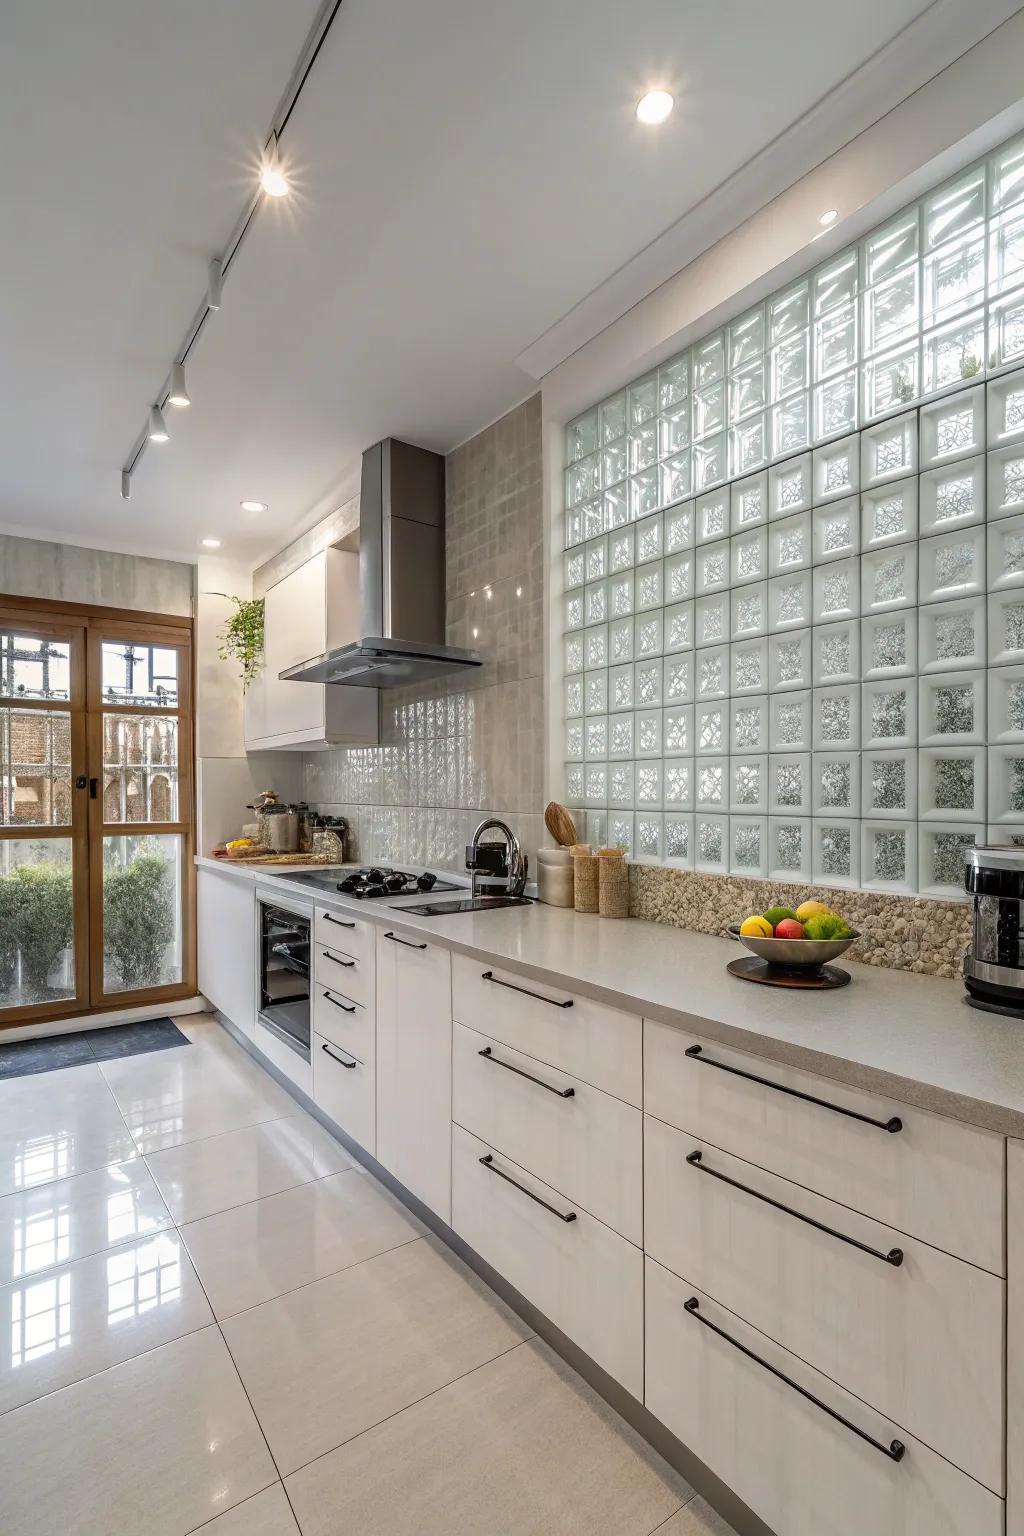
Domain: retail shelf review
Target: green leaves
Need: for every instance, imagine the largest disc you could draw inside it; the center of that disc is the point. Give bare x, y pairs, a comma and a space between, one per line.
241, 638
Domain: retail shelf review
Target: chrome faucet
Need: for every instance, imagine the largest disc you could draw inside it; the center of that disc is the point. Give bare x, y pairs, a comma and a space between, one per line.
509, 862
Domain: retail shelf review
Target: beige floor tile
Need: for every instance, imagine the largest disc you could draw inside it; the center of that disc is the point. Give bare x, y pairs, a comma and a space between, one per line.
55, 1223
218, 1172
521, 1447
56, 1124
181, 1095
72, 1321
324, 1363
157, 1445
695, 1519
254, 1252
267, 1514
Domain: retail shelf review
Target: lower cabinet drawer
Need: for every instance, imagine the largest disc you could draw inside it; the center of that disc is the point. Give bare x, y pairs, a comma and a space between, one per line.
343, 1089
343, 972
583, 1276
346, 1022
921, 1339
333, 928
574, 1137
801, 1470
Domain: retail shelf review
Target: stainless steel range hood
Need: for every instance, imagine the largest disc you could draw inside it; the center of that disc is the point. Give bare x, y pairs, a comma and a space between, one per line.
401, 578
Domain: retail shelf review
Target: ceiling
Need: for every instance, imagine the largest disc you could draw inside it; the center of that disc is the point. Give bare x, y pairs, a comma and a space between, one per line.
465, 172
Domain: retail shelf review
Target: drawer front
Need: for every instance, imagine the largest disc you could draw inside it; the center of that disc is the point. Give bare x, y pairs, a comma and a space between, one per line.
600, 1045
344, 1092
574, 1137
346, 1022
583, 1276
921, 1341
803, 1472
353, 936
344, 973
935, 1178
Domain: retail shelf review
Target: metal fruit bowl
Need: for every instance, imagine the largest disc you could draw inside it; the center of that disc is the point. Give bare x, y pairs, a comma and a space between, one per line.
795, 954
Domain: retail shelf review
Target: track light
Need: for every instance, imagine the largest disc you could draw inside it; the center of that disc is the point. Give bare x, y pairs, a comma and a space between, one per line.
126, 485
272, 177
178, 395
213, 285
158, 432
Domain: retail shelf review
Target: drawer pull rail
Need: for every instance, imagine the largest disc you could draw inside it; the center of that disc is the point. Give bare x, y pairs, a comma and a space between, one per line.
490, 976
893, 1257
895, 1450
339, 1059
342, 1006
492, 1167
348, 964
563, 1093
696, 1053
406, 943
338, 922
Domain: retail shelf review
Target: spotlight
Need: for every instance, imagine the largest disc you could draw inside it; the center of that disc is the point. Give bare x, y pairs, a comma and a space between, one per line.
213, 285
126, 485
655, 106
158, 432
178, 395
272, 177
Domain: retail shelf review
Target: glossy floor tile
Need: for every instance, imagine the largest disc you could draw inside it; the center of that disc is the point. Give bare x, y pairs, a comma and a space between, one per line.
173, 1097
695, 1519
57, 1124
248, 1255
322, 1364
519, 1447
70, 1322
265, 1514
71, 1218
156, 1446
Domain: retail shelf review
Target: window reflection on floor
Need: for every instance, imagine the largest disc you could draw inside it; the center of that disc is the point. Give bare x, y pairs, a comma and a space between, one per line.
142, 1277
42, 1158
40, 1318
41, 1239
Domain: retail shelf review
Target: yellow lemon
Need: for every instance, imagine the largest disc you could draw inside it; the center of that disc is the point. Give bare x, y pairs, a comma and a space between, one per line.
812, 909
756, 928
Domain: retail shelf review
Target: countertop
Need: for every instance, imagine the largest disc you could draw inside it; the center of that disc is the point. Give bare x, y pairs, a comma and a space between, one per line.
913, 1038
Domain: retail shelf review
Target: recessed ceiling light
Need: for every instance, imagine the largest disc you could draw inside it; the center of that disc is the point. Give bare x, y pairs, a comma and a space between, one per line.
178, 395
253, 506
655, 106
210, 543
829, 217
158, 432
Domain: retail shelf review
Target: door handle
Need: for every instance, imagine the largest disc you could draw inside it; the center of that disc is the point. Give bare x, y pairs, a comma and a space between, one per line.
328, 956
94, 785
330, 999
406, 942
696, 1053
80, 781
350, 1064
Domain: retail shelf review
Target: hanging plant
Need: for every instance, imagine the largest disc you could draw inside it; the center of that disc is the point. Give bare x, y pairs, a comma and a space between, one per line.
241, 636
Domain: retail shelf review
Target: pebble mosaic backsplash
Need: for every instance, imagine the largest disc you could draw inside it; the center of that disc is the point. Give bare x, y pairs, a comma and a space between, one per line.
793, 580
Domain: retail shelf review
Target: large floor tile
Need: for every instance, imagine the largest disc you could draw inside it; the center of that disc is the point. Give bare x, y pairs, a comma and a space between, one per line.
201, 1177
695, 1519
247, 1255
80, 1318
55, 1223
326, 1362
157, 1445
171, 1097
267, 1514
57, 1124
521, 1447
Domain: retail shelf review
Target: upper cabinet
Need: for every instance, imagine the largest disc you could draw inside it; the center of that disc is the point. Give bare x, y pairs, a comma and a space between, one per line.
314, 609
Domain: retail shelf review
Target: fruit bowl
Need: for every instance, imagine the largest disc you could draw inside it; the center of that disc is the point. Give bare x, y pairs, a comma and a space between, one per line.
795, 954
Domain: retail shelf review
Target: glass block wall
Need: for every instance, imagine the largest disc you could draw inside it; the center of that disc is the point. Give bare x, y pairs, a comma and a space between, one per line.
794, 569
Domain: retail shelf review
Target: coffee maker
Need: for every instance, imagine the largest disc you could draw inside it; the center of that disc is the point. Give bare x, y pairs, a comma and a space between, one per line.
993, 967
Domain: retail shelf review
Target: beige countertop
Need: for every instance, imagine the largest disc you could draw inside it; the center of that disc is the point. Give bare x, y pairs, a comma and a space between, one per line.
913, 1038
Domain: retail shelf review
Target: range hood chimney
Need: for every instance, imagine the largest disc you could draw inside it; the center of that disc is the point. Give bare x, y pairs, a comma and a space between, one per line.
401, 578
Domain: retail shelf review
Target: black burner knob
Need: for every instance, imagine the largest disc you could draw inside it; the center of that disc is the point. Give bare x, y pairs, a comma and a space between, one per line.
426, 881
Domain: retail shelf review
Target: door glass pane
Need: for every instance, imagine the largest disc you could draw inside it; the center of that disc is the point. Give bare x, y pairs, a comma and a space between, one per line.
140, 768
36, 921
139, 674
35, 768
141, 912
31, 668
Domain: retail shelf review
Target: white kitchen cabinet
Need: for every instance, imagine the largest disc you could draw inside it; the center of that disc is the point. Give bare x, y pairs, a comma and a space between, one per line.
226, 934
414, 1066
343, 1088
311, 610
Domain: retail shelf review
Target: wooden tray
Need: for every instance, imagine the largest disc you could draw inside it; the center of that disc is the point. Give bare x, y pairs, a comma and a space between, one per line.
750, 968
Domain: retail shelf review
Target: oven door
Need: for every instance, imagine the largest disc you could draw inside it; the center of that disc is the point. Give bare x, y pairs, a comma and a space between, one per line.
284, 958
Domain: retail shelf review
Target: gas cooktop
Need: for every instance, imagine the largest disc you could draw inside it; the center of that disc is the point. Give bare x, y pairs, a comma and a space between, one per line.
372, 882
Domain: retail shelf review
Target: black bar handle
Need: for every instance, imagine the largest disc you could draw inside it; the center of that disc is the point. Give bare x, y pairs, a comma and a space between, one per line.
562, 1093
94, 785
696, 1053
407, 942
492, 1167
337, 921
348, 964
895, 1450
893, 1257
334, 1000
341, 1062
490, 976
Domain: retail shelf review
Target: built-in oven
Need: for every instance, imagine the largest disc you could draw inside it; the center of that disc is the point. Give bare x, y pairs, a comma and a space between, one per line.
284, 963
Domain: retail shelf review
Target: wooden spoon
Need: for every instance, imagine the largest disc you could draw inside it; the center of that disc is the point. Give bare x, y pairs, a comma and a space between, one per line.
560, 824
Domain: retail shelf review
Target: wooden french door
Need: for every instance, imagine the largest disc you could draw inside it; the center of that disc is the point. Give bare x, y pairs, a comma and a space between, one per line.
96, 810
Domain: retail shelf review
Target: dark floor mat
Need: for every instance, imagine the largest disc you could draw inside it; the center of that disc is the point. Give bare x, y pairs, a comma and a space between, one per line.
24, 1057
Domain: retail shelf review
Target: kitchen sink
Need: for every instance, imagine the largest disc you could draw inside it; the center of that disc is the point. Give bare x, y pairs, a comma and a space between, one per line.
470, 904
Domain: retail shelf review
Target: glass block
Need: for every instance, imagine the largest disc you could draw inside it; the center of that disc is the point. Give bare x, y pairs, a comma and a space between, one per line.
748, 784
643, 400
710, 784
620, 736
889, 857
1006, 482
891, 380
749, 666
620, 832
621, 550
835, 342
749, 500
942, 858
1006, 704
749, 611
643, 447
709, 462
836, 653
836, 859
595, 647
748, 836
647, 730
674, 380
1004, 410
789, 601
955, 211
749, 724
710, 733
953, 783
835, 780
1006, 771
952, 708
644, 493
836, 718
678, 679
574, 613
789, 661
889, 713
620, 786
679, 784
620, 687
834, 531
712, 517
952, 635
574, 792
889, 515
582, 480
747, 391
597, 828
595, 787
953, 428
789, 487
888, 645
575, 569
650, 637
789, 544
952, 497
789, 783
679, 840
708, 360
746, 338
616, 507
679, 627
837, 591
892, 310
888, 451
888, 578
581, 437
1006, 324
790, 367
709, 410
596, 553
952, 565
748, 446
678, 729
574, 740
892, 249
680, 524
595, 692
621, 597
789, 721
954, 352
675, 430
647, 683
1006, 553
649, 586
712, 568
712, 675
597, 602
613, 417
647, 779
647, 836
679, 576
889, 785
836, 470
790, 425
789, 312
789, 848
573, 695
615, 462
749, 556
835, 406
835, 285
1006, 175
711, 835
954, 277
711, 619
620, 640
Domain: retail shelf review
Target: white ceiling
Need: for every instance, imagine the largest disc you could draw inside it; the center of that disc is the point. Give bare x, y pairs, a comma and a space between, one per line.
466, 172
